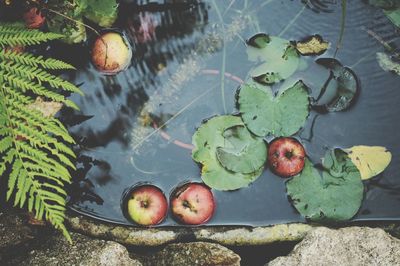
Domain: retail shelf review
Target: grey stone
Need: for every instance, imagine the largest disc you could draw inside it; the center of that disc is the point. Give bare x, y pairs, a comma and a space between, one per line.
195, 253
346, 246
225, 235
55, 250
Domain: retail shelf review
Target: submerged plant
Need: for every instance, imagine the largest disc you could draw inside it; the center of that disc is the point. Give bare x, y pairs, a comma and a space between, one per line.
34, 151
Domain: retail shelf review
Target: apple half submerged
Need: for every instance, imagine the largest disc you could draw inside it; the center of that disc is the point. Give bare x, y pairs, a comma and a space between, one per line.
286, 156
147, 205
192, 204
111, 53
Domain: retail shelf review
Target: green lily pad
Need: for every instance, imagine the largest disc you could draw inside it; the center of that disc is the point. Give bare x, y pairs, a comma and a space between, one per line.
210, 136
278, 56
340, 89
265, 114
247, 153
260, 40
336, 196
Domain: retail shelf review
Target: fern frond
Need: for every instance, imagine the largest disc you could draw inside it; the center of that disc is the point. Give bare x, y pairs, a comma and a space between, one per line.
33, 149
11, 27
26, 37
34, 61
34, 73
20, 83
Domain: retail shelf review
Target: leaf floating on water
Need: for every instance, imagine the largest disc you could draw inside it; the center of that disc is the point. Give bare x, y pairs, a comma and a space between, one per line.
265, 114
336, 196
313, 45
260, 40
340, 89
387, 64
279, 59
245, 154
394, 16
370, 160
209, 137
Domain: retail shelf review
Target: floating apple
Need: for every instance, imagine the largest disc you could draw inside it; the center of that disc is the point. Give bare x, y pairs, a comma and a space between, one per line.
33, 18
286, 156
147, 205
193, 204
111, 53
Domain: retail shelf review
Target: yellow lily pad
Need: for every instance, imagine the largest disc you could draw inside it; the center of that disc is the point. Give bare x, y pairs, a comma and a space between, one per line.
370, 160
314, 45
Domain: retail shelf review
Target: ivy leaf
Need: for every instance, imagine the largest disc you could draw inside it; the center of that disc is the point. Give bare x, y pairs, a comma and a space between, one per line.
336, 196
265, 114
102, 12
341, 87
387, 64
278, 56
247, 153
313, 45
210, 136
370, 160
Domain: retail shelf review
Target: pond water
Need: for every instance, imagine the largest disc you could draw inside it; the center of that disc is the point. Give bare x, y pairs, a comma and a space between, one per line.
174, 82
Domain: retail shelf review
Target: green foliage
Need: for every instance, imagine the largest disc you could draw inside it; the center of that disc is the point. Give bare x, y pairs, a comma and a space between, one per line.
102, 12
66, 17
336, 196
243, 152
278, 57
216, 134
265, 114
34, 150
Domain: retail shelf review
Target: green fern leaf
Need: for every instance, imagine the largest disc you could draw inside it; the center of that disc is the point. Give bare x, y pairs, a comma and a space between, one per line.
34, 61
23, 37
34, 149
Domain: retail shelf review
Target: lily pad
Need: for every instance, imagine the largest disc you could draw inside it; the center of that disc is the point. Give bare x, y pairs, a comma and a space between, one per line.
210, 136
340, 89
278, 56
336, 196
260, 40
387, 64
370, 160
265, 114
313, 45
246, 153
393, 16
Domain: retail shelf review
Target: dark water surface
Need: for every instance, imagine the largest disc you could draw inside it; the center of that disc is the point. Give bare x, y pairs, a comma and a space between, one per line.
179, 51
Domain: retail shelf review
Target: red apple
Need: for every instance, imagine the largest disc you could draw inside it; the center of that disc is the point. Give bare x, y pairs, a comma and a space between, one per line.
33, 18
193, 204
147, 205
286, 156
111, 53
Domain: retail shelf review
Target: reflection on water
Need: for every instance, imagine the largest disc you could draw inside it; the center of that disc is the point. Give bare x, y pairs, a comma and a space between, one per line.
187, 63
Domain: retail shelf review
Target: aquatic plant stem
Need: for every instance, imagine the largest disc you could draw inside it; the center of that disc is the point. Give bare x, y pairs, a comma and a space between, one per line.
222, 74
342, 26
292, 21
